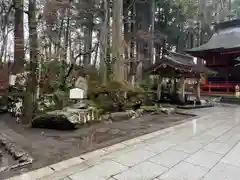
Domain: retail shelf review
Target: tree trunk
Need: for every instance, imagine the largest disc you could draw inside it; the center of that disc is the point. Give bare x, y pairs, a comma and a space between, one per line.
152, 45
103, 43
19, 53
96, 52
127, 37
66, 38
88, 41
30, 99
117, 42
133, 47
64, 56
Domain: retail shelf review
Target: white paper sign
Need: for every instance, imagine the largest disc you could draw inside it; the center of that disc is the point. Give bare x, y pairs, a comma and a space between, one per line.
76, 93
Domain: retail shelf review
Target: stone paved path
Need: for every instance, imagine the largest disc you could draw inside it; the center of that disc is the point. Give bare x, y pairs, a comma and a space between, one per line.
206, 148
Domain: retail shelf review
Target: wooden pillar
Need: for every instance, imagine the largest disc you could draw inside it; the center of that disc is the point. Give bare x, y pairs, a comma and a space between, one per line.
182, 90
174, 85
227, 76
159, 88
198, 91
171, 91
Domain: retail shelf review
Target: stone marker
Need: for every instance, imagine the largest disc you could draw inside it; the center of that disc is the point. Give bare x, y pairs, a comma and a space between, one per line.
81, 83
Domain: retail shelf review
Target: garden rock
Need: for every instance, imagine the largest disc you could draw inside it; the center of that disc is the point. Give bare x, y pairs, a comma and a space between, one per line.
65, 119
59, 121
120, 116
167, 110
114, 131
80, 105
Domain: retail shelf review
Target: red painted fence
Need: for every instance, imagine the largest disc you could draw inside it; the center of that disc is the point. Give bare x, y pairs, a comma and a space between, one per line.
219, 87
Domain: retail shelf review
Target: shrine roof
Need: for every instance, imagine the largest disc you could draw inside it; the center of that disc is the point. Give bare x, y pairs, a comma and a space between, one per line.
181, 62
227, 36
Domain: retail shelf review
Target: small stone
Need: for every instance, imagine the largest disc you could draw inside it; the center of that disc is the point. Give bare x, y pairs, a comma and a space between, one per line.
122, 133
102, 130
105, 117
108, 122
119, 116
5, 168
114, 131
19, 154
23, 170
167, 110
24, 158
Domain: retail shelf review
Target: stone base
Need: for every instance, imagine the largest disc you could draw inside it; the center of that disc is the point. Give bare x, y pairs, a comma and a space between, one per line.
195, 107
176, 100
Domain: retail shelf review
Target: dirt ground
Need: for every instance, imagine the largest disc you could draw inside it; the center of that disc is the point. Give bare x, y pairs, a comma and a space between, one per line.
50, 146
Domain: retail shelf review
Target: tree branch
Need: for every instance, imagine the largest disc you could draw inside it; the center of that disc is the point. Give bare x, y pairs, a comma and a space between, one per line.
86, 53
14, 6
72, 65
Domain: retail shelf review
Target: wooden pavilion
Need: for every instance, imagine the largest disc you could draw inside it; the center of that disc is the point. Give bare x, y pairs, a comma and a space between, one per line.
178, 67
221, 54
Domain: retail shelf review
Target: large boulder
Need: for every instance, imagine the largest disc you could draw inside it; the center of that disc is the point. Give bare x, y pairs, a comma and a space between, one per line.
65, 119
54, 120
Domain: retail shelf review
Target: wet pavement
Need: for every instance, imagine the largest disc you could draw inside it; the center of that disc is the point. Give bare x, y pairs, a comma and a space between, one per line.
206, 148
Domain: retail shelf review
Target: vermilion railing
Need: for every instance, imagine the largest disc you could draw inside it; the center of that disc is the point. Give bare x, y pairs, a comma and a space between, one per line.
219, 87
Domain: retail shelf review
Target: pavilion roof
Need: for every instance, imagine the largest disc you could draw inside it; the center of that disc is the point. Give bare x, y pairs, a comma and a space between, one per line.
227, 36
180, 64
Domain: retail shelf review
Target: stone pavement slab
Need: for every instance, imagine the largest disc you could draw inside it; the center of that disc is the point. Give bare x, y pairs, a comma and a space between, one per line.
66, 172
134, 157
189, 147
34, 174
160, 146
169, 158
184, 171
142, 171
233, 157
206, 148
99, 172
223, 172
204, 158
218, 147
